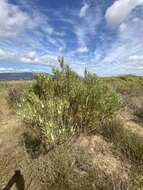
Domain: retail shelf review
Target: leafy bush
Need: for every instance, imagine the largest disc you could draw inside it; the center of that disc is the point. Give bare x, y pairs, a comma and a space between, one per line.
59, 105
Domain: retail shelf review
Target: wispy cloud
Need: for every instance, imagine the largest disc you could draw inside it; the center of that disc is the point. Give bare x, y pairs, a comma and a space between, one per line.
84, 9
124, 54
85, 27
31, 26
105, 36
12, 19
29, 57
120, 10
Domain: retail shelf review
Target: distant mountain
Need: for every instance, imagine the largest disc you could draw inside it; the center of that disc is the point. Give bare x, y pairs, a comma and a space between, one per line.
16, 76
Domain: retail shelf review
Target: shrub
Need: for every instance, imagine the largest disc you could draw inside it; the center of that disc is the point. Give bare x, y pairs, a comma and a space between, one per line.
129, 143
59, 105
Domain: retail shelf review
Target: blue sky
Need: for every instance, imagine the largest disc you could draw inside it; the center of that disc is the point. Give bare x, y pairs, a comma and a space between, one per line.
105, 36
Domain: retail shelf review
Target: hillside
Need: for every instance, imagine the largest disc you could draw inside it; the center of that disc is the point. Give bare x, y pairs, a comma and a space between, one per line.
108, 159
16, 76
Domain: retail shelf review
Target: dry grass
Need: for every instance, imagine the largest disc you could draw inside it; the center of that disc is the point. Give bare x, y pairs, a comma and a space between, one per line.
136, 104
125, 138
67, 168
9, 133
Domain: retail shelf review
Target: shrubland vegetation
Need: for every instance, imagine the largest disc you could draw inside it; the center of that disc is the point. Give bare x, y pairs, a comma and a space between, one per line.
73, 135
128, 143
126, 85
131, 89
59, 105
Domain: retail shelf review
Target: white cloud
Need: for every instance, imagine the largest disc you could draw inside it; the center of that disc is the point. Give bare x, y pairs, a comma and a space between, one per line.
15, 70
124, 54
33, 57
84, 9
122, 27
61, 49
48, 29
85, 28
29, 30
82, 49
2, 69
123, 57
29, 60
2, 53
82, 38
12, 19
120, 10
29, 57
14, 22
136, 58
6, 54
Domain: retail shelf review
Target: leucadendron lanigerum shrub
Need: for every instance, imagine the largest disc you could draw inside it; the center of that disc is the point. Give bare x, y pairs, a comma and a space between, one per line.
59, 105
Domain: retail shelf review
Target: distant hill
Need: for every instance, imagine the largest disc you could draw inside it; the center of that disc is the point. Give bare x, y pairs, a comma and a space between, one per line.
16, 76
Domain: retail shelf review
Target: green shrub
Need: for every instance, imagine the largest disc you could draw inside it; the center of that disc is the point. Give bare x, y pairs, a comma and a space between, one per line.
58, 105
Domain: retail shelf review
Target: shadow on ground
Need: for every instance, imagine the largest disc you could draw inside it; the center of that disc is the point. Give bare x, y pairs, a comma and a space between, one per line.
16, 179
